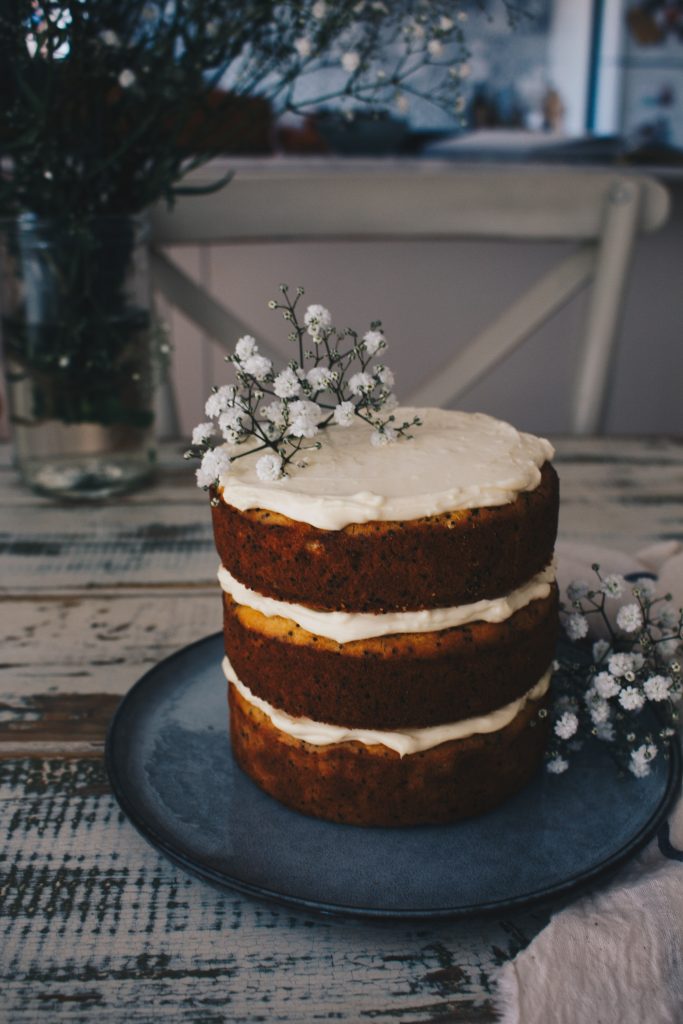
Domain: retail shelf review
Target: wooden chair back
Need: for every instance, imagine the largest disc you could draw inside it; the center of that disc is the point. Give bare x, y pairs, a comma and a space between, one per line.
602, 211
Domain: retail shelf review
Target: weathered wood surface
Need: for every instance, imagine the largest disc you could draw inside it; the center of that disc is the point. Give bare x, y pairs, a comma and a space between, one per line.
94, 924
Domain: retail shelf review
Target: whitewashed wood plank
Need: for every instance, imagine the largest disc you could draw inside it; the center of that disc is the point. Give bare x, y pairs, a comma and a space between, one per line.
66, 661
16, 749
97, 644
621, 492
95, 925
55, 548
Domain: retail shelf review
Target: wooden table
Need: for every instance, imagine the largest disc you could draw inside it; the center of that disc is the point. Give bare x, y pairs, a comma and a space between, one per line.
94, 924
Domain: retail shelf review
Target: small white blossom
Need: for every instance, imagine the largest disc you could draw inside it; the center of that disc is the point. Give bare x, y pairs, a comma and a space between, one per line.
127, 78
620, 663
386, 376
657, 687
641, 758
246, 346
214, 462
380, 438
576, 626
577, 589
605, 731
220, 400
613, 585
600, 649
269, 467
557, 765
350, 61
666, 617
629, 618
232, 416
257, 366
645, 586
373, 341
303, 46
320, 377
319, 9
668, 649
445, 24
286, 384
109, 37
606, 685
566, 725
435, 47
361, 384
275, 413
344, 414
316, 319
599, 711
304, 418
201, 432
230, 423
631, 699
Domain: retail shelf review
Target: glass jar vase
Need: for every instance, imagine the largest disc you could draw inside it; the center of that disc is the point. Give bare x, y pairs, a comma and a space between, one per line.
79, 341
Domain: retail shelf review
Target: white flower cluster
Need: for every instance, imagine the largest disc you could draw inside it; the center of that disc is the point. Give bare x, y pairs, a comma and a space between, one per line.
606, 692
278, 411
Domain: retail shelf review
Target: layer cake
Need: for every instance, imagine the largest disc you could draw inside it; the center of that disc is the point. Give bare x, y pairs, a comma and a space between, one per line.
390, 618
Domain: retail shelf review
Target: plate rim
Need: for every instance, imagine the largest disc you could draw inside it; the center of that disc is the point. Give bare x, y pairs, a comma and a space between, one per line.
223, 880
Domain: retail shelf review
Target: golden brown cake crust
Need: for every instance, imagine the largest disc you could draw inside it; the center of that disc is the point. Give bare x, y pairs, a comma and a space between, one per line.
439, 561
392, 682
359, 785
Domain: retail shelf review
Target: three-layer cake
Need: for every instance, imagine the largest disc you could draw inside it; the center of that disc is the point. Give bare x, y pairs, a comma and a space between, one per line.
390, 620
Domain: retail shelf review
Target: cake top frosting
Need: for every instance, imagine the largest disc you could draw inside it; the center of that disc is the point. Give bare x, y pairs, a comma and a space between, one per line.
455, 460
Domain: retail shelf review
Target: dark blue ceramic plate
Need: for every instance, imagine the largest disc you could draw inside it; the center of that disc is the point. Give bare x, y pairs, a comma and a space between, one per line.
170, 766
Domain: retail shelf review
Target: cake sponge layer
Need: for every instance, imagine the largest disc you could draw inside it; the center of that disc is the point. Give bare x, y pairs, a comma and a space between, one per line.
391, 682
438, 561
372, 785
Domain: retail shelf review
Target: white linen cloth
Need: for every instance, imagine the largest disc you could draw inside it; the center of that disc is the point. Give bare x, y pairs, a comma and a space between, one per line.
614, 956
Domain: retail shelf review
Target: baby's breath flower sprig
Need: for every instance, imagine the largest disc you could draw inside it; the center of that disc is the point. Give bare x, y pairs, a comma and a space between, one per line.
330, 384
603, 687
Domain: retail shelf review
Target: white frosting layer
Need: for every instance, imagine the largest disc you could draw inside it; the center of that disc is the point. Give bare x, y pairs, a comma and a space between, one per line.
455, 460
346, 626
403, 741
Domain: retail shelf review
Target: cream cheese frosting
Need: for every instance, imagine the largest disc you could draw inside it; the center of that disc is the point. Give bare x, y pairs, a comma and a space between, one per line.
403, 741
455, 460
347, 626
